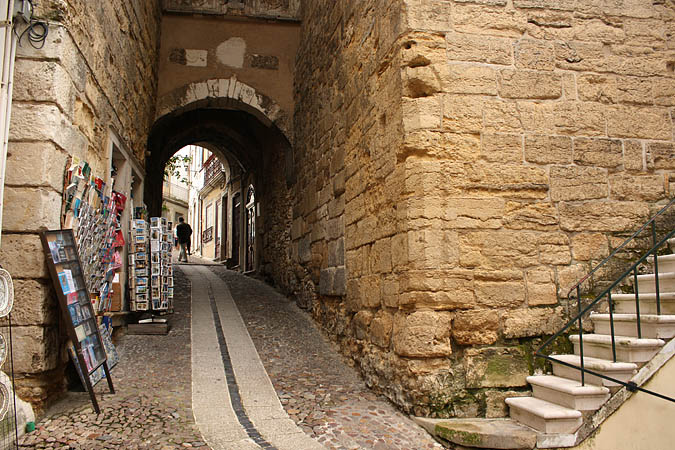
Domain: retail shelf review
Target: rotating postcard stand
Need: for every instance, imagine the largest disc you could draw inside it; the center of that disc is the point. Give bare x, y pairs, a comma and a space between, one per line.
67, 275
151, 279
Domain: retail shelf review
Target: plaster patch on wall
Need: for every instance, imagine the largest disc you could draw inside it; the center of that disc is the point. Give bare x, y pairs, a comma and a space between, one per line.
231, 52
188, 57
195, 58
262, 62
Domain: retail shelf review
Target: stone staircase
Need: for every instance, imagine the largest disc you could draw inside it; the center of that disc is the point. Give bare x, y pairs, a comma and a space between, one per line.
559, 402
561, 411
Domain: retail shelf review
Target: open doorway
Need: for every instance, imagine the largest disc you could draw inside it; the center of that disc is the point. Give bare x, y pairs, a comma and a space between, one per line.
250, 230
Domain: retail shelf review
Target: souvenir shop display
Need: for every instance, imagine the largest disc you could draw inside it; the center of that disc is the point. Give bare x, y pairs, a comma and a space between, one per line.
161, 275
139, 265
92, 210
70, 282
110, 351
6, 304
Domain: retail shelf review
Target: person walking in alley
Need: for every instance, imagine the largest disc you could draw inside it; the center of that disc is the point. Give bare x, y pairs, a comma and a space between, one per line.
184, 233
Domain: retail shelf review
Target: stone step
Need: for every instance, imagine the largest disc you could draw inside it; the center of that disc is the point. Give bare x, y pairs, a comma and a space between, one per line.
628, 349
621, 371
568, 393
481, 433
647, 284
544, 416
652, 326
625, 303
666, 262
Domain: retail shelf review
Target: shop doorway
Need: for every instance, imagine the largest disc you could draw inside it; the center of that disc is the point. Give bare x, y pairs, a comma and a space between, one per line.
236, 213
216, 231
250, 229
223, 219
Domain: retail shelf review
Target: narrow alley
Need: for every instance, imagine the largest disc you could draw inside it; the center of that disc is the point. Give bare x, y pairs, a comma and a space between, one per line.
164, 382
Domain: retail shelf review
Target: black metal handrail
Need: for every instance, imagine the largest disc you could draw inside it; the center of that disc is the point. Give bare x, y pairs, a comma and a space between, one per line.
207, 235
606, 293
619, 248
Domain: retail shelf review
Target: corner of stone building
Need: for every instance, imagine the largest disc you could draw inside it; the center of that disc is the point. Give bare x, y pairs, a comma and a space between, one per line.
65, 102
504, 194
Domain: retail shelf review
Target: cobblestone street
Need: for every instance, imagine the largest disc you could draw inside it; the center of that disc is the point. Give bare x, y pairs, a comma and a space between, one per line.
319, 391
152, 407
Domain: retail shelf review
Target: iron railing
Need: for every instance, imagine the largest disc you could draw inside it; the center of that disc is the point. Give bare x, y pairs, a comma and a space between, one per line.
212, 167
175, 191
607, 294
207, 235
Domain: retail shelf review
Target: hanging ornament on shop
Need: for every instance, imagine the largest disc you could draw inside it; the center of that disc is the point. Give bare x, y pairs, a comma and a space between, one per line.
6, 304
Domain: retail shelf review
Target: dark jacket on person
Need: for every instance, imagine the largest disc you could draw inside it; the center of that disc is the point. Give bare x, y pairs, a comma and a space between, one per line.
183, 232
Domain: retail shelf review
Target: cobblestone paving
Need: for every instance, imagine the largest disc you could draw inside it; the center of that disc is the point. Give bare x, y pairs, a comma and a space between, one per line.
152, 406
319, 391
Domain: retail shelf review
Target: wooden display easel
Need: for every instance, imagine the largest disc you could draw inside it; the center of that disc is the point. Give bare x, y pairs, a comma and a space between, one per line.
67, 275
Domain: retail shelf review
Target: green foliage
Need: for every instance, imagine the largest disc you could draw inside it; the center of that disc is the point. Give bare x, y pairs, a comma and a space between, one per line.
173, 166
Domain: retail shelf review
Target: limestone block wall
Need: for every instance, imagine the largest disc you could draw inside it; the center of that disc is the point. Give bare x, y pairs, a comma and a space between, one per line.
492, 151
278, 9
96, 73
347, 118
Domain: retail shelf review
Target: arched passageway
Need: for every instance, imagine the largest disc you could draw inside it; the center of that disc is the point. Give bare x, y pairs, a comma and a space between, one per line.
259, 156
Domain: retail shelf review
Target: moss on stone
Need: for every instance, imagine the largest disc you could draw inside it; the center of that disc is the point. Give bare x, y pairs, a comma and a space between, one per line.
498, 366
446, 404
560, 346
458, 436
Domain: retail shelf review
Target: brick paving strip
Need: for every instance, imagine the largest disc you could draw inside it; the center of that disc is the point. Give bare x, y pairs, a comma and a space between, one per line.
320, 392
247, 413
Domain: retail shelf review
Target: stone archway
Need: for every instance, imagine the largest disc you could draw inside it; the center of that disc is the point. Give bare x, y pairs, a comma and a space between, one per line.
248, 130
225, 93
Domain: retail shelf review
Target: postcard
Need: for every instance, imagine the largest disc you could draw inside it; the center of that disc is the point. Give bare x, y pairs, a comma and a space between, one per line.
80, 333
74, 312
63, 281
71, 298
86, 312
54, 250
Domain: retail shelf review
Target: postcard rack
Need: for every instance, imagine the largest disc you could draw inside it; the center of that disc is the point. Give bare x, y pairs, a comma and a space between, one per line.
68, 277
161, 277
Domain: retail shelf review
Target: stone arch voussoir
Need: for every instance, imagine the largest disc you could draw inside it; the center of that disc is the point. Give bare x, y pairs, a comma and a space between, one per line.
227, 93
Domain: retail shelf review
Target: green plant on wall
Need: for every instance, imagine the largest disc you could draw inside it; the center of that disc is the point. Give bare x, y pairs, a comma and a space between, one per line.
174, 165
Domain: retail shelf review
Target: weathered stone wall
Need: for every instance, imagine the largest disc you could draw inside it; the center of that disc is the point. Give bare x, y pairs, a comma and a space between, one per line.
278, 9
493, 151
96, 72
350, 185
258, 54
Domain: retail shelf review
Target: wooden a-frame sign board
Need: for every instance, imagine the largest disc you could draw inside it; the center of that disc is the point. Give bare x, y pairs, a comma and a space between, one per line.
66, 271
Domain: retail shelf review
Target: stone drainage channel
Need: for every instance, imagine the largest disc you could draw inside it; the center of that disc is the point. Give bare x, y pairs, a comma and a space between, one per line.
294, 389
